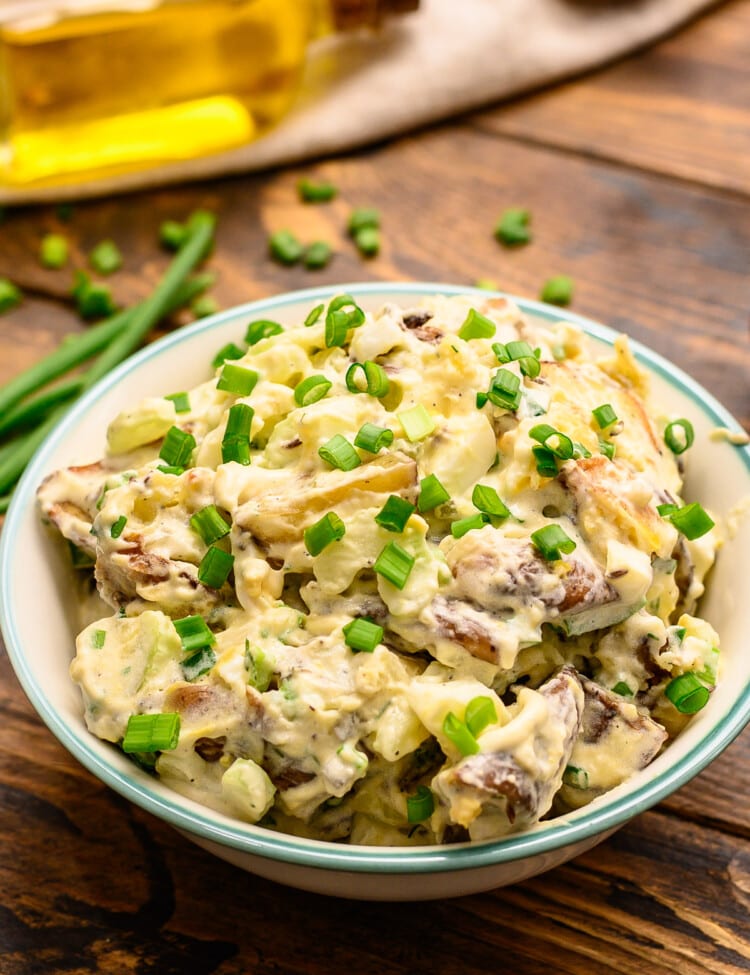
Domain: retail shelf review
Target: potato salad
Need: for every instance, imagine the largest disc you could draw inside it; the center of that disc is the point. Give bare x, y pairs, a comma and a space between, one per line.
418, 576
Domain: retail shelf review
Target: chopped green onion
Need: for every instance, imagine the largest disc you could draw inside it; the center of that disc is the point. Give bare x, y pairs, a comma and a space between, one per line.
177, 447
580, 451
622, 689
678, 443
473, 522
513, 228
53, 252
198, 663
330, 528
228, 351
93, 299
314, 315
456, 732
505, 390
171, 469
367, 240
577, 778
210, 524
665, 510
521, 352
395, 513
312, 192
501, 352
431, 493
181, 402
194, 633
480, 712
608, 448
373, 438
215, 567
317, 255
605, 416
310, 390
172, 234
687, 693
363, 217
237, 451
680, 633
394, 564
362, 635
118, 527
237, 379
259, 668
342, 315
99, 638
151, 733
239, 422
338, 452
552, 542
106, 257
204, 305
10, 295
262, 329
557, 443
691, 520
557, 290
375, 378
481, 400
476, 326
487, 499
284, 247
420, 806
416, 423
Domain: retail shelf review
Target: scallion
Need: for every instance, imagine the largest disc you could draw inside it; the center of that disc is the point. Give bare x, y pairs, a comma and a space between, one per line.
194, 633
476, 326
557, 290
177, 448
487, 499
362, 217
691, 520
151, 733
513, 227
367, 240
362, 635
420, 806
53, 252
312, 192
284, 247
552, 542
317, 537
604, 415
235, 444
679, 435
10, 295
576, 778
622, 689
317, 255
262, 329
210, 524
480, 712
339, 453
106, 258
99, 639
311, 390
313, 315
375, 379
343, 314
395, 513
394, 564
557, 443
505, 390
522, 353
608, 448
181, 402
456, 732
416, 423
237, 379
688, 694
198, 663
472, 523
118, 527
431, 493
215, 567
204, 306
373, 438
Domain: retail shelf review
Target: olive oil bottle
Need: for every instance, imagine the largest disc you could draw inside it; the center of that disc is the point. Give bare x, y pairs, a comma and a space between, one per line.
90, 88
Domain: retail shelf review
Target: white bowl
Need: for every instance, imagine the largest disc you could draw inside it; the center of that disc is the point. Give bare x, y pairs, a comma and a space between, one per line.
35, 595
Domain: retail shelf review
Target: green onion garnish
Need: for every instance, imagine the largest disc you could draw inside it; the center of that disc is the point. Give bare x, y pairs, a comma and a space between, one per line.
678, 442
367, 240
607, 448
235, 451
456, 731
521, 352
259, 667
210, 524
198, 663
151, 733
552, 542
204, 305
99, 638
513, 228
687, 693
106, 257
580, 451
487, 499
420, 806
577, 778
239, 421
342, 315
312, 192
362, 635
557, 290
262, 329
416, 423
505, 390
622, 689
473, 522
171, 469
395, 513
480, 712
691, 520
215, 567
501, 353
284, 247
177, 447
237, 380
394, 564
555, 442
181, 402
431, 493
118, 527
476, 326
93, 299
10, 295
53, 252
172, 234
373, 438
228, 351
375, 379
194, 633
310, 390
363, 217
330, 528
314, 315
338, 452
605, 416
317, 255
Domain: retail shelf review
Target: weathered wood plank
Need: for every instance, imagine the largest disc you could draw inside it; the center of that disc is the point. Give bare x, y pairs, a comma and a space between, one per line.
681, 108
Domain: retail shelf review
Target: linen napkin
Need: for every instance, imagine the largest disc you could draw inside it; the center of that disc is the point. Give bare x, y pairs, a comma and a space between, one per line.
449, 56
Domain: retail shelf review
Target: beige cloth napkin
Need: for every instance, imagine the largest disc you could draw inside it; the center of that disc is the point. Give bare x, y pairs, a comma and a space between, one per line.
450, 56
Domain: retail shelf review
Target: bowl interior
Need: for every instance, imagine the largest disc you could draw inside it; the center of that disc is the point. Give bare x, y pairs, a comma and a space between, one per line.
36, 596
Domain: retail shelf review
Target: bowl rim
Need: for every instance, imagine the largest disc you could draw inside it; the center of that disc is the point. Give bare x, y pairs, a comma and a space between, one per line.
254, 840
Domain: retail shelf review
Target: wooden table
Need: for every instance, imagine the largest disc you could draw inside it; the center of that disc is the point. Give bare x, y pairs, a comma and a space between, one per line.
638, 178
